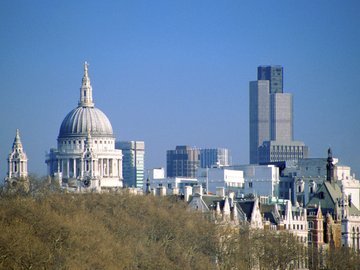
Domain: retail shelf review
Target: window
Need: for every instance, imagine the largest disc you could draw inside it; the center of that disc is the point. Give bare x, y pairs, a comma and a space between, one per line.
250, 184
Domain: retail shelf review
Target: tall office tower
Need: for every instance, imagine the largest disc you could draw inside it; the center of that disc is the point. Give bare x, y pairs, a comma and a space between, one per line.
259, 112
214, 157
273, 74
281, 117
271, 119
183, 162
133, 162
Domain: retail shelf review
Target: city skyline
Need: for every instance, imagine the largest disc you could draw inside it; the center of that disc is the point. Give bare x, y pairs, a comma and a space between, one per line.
158, 67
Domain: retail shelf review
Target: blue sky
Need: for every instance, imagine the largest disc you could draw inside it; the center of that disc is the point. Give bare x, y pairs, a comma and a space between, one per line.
177, 72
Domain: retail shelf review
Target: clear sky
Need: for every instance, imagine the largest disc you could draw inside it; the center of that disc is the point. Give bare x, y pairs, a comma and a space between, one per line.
177, 72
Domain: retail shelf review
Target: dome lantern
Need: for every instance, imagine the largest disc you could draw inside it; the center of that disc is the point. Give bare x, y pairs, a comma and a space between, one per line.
86, 99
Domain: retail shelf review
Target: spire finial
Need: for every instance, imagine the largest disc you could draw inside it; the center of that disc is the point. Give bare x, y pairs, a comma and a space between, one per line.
17, 141
86, 65
86, 89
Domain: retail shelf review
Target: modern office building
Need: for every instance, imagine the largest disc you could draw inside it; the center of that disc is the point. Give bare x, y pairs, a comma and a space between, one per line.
214, 157
133, 162
275, 151
259, 113
281, 117
271, 119
182, 162
273, 74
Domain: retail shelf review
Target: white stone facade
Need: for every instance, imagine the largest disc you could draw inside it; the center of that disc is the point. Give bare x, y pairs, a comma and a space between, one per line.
212, 178
17, 160
260, 180
17, 165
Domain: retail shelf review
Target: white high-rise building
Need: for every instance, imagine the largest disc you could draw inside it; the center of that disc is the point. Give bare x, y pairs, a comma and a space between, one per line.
85, 157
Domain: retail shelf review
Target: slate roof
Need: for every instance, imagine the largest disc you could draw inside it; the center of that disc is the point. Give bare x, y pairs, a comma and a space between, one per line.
247, 208
328, 196
270, 213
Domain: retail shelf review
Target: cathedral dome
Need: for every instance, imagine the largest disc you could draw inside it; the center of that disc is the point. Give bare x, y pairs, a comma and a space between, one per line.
82, 120
85, 119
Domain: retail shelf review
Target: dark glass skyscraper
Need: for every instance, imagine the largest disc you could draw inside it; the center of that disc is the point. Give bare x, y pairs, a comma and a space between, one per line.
274, 74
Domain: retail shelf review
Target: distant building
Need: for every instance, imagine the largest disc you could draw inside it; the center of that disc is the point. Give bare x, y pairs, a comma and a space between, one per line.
333, 217
17, 174
133, 162
214, 157
260, 180
85, 157
224, 177
273, 74
275, 151
271, 119
259, 114
182, 162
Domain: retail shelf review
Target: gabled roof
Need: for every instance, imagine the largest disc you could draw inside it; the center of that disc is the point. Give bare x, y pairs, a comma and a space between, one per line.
328, 196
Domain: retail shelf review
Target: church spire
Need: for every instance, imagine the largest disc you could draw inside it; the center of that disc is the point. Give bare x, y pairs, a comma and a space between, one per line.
17, 142
86, 99
17, 160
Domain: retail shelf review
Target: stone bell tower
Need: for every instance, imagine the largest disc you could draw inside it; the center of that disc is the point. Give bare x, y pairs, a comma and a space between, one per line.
17, 164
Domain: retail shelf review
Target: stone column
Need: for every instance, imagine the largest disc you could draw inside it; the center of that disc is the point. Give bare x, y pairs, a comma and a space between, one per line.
100, 161
68, 168
74, 167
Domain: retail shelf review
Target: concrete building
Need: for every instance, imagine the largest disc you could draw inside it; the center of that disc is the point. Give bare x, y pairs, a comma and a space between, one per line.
133, 162
259, 113
273, 74
182, 162
216, 177
275, 151
271, 119
281, 117
85, 158
214, 157
260, 180
173, 183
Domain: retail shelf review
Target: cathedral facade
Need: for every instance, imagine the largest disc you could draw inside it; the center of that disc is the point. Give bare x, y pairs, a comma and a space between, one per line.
85, 157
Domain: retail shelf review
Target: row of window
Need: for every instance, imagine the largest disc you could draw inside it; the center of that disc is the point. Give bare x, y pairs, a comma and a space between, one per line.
295, 227
74, 142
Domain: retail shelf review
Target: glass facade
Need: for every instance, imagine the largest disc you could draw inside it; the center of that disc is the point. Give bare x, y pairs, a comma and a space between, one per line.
133, 162
274, 74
